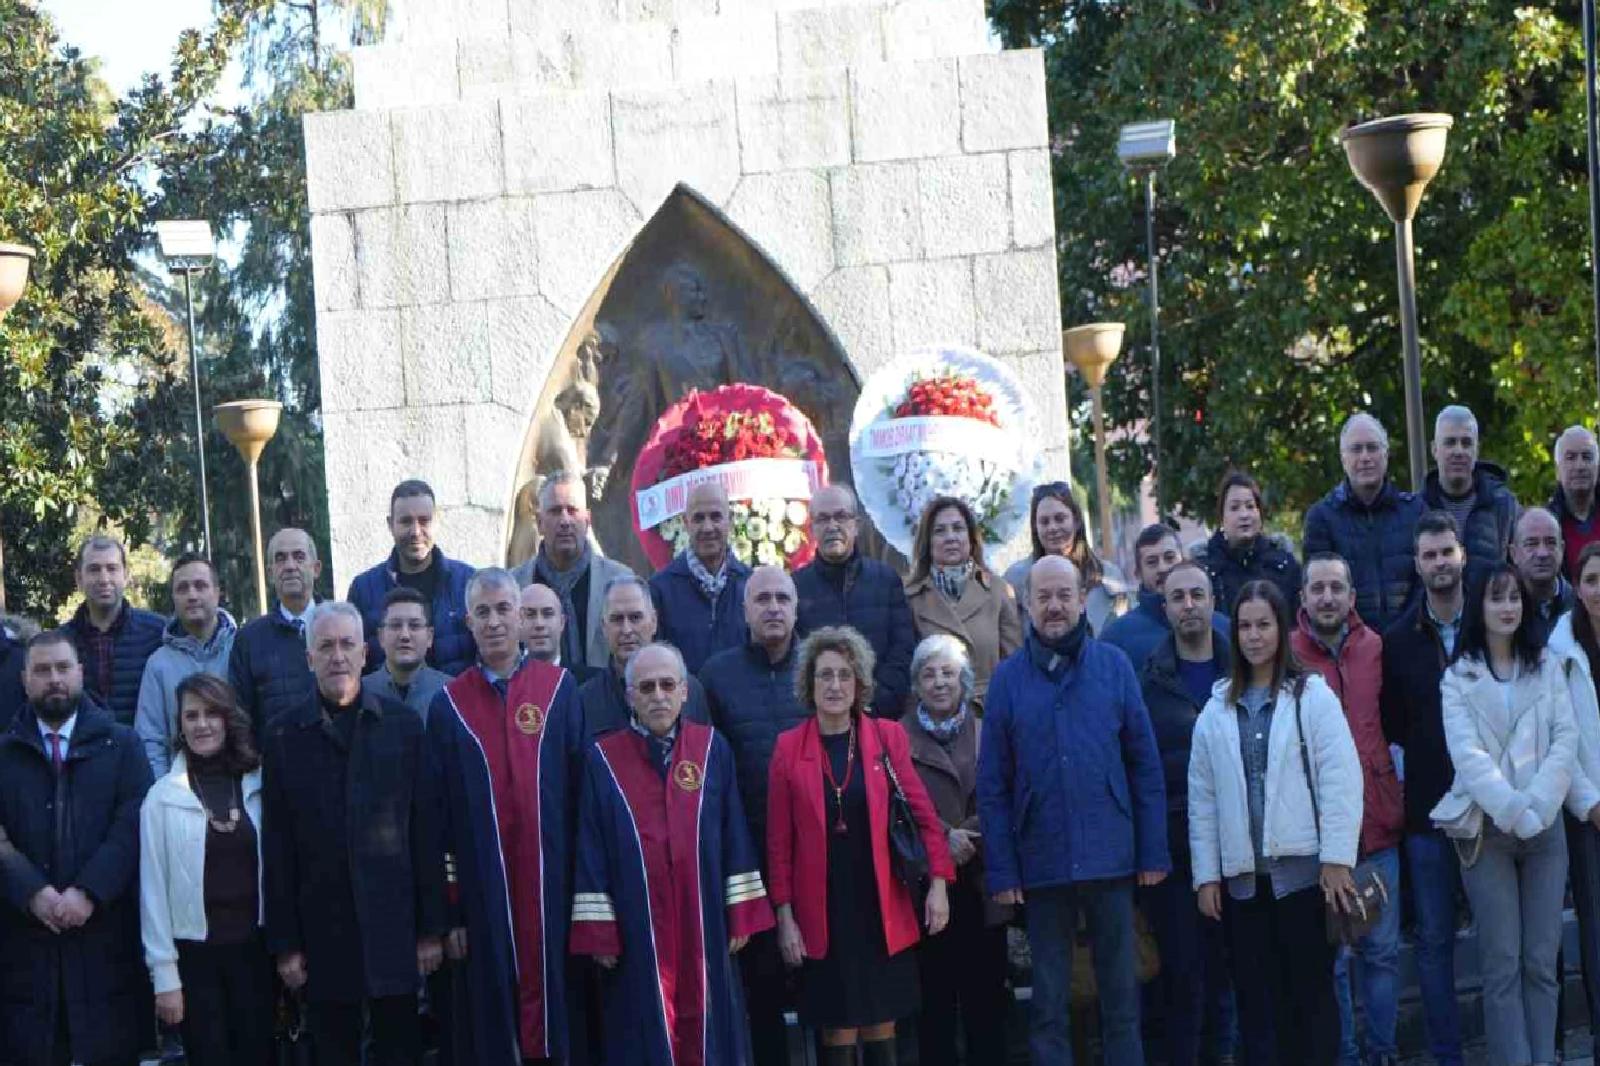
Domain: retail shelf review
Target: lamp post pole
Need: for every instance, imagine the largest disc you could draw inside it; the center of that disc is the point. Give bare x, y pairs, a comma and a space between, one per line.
249, 425
1395, 158
1159, 468
1593, 131
199, 416
1092, 349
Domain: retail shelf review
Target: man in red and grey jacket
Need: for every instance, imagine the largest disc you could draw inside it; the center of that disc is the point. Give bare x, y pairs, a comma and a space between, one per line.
1332, 640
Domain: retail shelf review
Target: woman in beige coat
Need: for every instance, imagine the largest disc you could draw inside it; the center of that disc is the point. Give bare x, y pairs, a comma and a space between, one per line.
951, 590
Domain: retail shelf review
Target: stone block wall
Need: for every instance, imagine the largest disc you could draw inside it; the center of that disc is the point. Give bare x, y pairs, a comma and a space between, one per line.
503, 153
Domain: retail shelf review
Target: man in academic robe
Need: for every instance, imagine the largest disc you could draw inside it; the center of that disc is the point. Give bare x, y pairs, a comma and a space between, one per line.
505, 736
668, 888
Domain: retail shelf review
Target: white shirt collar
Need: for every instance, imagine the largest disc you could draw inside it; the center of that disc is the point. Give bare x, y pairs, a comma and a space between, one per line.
64, 731
290, 616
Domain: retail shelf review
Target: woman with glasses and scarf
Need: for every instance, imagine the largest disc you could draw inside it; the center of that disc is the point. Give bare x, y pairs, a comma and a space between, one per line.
1057, 524
964, 971
951, 590
843, 914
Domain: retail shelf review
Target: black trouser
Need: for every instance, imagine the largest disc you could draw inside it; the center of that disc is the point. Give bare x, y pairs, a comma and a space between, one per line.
1283, 977
227, 1003
396, 1038
963, 971
766, 996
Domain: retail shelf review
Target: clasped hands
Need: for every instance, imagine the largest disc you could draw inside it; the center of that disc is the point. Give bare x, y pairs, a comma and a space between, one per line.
61, 911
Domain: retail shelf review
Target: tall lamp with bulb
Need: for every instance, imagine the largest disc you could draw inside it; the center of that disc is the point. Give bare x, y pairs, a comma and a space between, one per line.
1092, 349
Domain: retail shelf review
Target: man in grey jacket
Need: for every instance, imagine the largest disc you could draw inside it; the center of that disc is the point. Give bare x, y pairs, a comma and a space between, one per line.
198, 638
405, 632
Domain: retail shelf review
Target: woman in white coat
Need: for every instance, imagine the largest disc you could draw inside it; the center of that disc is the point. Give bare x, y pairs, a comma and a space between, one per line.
1509, 726
1274, 823
1575, 645
200, 903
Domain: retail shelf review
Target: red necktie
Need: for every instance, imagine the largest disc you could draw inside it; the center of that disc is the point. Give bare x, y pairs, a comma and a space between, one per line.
55, 751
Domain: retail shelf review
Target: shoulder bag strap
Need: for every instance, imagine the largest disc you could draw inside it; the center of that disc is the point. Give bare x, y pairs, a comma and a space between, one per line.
1305, 766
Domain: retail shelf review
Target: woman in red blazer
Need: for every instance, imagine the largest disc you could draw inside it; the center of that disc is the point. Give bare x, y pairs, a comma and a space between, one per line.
842, 913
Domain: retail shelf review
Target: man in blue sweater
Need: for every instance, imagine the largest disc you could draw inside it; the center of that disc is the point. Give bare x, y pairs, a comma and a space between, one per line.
699, 596
1141, 630
268, 665
115, 639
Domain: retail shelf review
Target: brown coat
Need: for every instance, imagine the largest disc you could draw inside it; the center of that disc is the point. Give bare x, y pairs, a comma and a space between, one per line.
985, 619
950, 776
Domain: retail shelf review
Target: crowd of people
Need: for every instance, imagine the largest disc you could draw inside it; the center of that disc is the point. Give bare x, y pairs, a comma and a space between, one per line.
564, 813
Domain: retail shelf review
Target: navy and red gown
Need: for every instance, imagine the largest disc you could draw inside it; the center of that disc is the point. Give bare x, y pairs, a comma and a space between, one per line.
666, 875
507, 770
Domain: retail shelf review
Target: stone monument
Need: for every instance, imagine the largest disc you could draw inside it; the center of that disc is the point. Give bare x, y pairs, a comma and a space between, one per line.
546, 220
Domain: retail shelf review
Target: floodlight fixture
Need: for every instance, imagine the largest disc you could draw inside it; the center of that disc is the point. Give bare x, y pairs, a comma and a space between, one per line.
1141, 145
187, 245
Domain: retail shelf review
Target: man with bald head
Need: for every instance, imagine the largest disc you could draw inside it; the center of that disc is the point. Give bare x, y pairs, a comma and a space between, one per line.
1073, 809
267, 666
1577, 459
1367, 520
542, 627
750, 691
1537, 555
841, 587
697, 596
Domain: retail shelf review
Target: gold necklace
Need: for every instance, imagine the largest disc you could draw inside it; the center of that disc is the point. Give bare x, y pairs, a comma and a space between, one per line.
216, 823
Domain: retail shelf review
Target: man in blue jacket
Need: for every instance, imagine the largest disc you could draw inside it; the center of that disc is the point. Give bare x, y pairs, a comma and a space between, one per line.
115, 639
1368, 520
699, 596
417, 563
841, 587
268, 665
1139, 632
1073, 810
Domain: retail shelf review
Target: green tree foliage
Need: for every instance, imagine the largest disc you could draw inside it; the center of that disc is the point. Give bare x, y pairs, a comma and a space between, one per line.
1279, 311
75, 184
245, 172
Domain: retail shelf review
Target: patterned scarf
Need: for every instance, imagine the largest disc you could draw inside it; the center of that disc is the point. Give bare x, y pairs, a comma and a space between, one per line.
943, 731
952, 580
564, 582
660, 748
710, 584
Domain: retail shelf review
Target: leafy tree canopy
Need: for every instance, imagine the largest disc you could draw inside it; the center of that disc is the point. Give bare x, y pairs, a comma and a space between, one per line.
1279, 312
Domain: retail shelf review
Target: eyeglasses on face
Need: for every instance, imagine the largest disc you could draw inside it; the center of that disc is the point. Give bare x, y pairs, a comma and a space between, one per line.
651, 685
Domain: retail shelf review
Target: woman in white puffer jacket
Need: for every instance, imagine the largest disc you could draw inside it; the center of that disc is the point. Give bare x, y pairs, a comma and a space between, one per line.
200, 899
1509, 726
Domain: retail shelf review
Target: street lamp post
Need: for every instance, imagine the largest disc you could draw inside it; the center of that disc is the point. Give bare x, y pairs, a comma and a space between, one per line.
14, 262
1593, 130
1092, 349
1144, 148
1395, 158
249, 425
188, 248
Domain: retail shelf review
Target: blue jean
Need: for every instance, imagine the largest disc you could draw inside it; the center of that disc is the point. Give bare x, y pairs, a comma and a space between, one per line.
1193, 990
1052, 918
1516, 888
1377, 962
1435, 876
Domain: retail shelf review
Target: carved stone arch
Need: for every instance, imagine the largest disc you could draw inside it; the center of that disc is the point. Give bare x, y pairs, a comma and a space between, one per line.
692, 302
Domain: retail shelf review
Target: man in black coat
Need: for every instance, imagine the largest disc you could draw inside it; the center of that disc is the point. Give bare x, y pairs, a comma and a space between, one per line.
840, 587
115, 639
267, 666
629, 623
353, 855
750, 693
12, 655
71, 781
1415, 651
1472, 492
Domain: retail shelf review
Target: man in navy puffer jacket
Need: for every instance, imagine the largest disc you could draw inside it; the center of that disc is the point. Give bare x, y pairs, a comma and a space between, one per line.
1073, 810
1369, 521
417, 563
268, 666
840, 587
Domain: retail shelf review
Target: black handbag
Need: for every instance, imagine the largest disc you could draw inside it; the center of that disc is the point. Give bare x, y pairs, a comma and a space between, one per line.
1372, 896
908, 855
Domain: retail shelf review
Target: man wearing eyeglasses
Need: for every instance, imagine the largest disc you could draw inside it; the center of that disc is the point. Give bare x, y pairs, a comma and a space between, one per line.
405, 632
505, 737
841, 587
668, 888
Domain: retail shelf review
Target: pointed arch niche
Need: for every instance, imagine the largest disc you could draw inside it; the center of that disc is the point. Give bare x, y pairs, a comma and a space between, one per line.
691, 303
